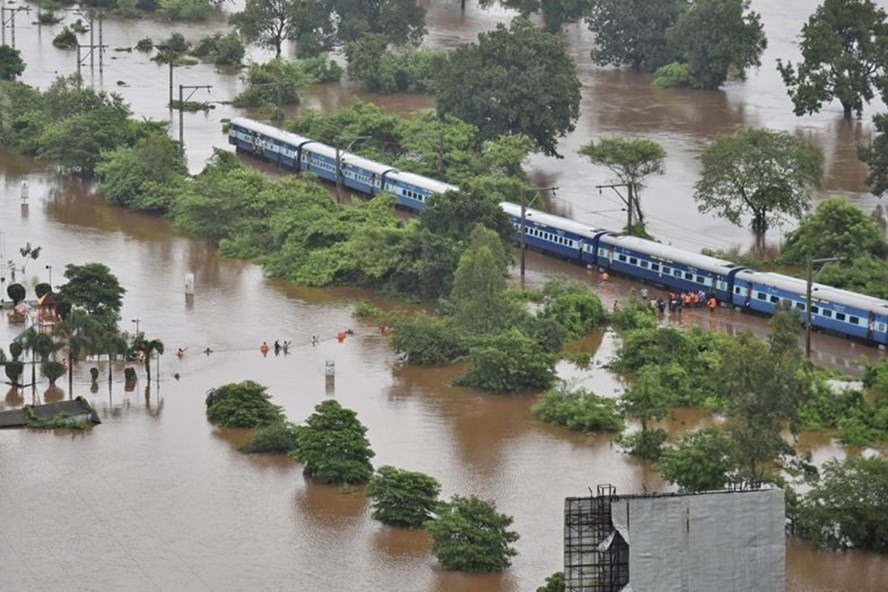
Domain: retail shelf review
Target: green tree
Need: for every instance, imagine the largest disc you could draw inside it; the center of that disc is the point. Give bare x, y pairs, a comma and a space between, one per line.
151, 347
700, 461
631, 160
381, 70
140, 177
554, 12
95, 289
428, 340
16, 293
847, 509
767, 174
470, 535
400, 21
402, 498
268, 23
333, 447
875, 156
645, 400
844, 48
53, 371
514, 80
275, 82
574, 305
633, 32
507, 362
865, 275
835, 229
479, 284
554, 583
14, 370
715, 36
11, 63
77, 330
242, 405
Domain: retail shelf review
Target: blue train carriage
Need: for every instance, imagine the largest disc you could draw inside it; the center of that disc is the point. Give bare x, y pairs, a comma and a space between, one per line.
266, 141
362, 174
667, 266
411, 190
834, 310
555, 235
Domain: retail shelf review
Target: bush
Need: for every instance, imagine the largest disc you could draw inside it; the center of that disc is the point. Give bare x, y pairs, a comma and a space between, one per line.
41, 289
508, 362
332, 445
277, 438
470, 535
428, 339
66, 39
700, 461
242, 405
222, 50
145, 44
633, 315
578, 409
53, 371
645, 443
402, 498
574, 305
16, 292
674, 75
322, 69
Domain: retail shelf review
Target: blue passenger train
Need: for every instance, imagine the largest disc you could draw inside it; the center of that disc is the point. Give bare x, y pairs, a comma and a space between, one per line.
832, 309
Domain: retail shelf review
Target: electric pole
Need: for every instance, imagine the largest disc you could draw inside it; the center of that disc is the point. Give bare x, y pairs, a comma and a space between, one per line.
182, 99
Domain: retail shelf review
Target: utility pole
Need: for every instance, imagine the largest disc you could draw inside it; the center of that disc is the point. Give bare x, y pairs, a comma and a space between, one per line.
192, 88
537, 191
91, 48
170, 56
625, 200
810, 269
12, 12
339, 152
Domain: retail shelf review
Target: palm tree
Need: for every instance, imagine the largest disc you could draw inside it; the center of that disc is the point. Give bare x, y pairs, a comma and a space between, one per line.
78, 331
150, 347
111, 343
28, 339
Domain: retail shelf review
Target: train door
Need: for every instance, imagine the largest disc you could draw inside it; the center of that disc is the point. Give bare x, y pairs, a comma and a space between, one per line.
870, 325
610, 256
581, 247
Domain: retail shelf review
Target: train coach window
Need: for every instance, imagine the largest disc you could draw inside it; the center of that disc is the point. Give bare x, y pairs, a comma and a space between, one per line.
761, 296
644, 264
815, 310
840, 316
689, 276
621, 258
775, 299
827, 314
800, 305
854, 320
881, 327
676, 273
736, 289
633, 261
655, 266
701, 279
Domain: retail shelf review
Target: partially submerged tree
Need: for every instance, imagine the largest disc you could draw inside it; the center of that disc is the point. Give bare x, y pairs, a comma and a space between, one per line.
518, 79
469, 534
702, 460
11, 63
633, 32
767, 174
402, 498
647, 399
242, 405
93, 288
844, 57
631, 160
332, 445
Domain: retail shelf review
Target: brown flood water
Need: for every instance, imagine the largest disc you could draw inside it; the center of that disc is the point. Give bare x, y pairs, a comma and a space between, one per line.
156, 498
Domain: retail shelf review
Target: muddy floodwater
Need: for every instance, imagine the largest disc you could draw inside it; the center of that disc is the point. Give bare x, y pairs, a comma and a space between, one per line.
156, 498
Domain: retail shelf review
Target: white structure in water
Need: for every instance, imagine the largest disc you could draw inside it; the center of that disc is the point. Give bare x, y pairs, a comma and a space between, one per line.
730, 541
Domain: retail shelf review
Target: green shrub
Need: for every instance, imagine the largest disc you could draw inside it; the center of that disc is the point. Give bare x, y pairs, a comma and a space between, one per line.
402, 498
66, 39
242, 405
428, 339
332, 445
470, 535
578, 409
674, 75
508, 362
277, 438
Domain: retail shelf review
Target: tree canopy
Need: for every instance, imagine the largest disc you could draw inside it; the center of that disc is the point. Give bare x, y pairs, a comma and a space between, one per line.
332, 445
11, 63
633, 32
518, 79
402, 498
844, 48
400, 21
700, 461
95, 289
767, 174
713, 37
631, 160
469, 534
875, 156
835, 229
242, 405
268, 23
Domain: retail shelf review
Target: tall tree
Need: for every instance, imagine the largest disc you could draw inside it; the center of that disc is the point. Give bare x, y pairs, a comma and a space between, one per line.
95, 289
78, 331
633, 32
844, 56
518, 79
11, 63
401, 21
268, 23
715, 36
479, 283
767, 174
554, 12
402, 498
631, 160
875, 156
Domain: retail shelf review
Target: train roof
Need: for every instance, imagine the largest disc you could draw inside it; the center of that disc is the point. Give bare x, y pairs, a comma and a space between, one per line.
552, 220
668, 253
422, 181
270, 131
818, 291
349, 159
